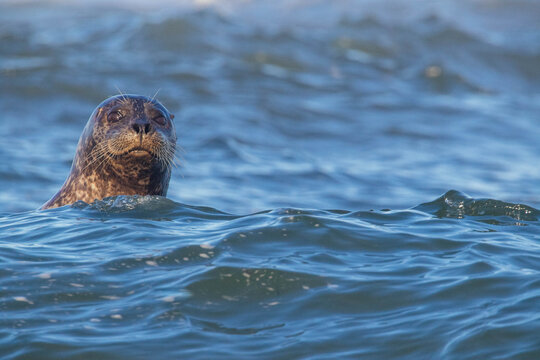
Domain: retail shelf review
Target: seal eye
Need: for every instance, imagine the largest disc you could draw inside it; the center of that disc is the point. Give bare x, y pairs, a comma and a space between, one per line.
115, 116
160, 119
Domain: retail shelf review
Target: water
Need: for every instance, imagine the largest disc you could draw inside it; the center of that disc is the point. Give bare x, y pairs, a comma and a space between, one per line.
318, 138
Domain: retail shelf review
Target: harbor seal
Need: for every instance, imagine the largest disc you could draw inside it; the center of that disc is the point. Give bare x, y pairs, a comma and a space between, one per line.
127, 148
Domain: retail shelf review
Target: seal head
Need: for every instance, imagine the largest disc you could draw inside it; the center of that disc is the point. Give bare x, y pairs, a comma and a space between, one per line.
127, 148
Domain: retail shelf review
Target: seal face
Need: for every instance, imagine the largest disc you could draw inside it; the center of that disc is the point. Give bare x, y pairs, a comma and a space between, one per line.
127, 148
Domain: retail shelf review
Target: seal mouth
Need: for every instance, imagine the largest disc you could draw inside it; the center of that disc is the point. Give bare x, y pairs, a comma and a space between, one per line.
138, 151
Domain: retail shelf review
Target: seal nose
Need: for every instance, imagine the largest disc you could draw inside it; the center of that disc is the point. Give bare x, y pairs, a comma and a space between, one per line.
141, 126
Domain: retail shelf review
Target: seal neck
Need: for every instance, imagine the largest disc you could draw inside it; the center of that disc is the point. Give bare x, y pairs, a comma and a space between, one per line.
96, 183
129, 176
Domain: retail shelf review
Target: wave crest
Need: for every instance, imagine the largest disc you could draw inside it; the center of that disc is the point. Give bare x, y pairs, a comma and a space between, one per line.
454, 204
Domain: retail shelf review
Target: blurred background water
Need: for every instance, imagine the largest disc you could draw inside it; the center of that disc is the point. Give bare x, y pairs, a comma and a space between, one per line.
309, 120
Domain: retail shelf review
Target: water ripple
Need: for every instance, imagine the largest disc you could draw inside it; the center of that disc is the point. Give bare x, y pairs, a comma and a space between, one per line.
96, 281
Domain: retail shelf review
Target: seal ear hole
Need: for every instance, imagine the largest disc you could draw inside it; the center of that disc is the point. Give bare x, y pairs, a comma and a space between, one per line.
172, 116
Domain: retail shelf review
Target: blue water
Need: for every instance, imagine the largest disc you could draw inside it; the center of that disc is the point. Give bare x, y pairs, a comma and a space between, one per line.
311, 216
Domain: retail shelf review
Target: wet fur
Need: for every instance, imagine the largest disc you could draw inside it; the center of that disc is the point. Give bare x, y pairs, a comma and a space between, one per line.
104, 167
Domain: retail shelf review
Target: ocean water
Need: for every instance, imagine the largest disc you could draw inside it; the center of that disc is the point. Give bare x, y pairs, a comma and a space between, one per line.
312, 215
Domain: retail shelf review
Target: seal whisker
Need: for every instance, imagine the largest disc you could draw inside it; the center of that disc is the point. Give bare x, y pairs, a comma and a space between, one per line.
120, 92
98, 154
154, 97
95, 155
177, 162
165, 156
102, 162
175, 159
180, 148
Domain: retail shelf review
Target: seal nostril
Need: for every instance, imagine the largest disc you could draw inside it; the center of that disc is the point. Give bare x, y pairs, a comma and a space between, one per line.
141, 128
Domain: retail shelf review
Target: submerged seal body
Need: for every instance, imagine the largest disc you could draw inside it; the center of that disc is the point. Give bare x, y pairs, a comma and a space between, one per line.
127, 148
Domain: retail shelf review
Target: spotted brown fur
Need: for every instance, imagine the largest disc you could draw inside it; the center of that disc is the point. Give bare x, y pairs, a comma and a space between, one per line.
126, 148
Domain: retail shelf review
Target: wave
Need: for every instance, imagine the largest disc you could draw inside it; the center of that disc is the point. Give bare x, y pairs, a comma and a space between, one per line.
92, 277
454, 204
